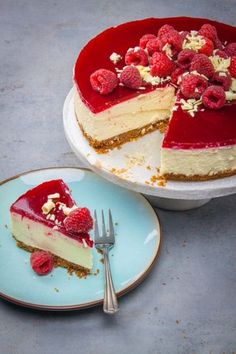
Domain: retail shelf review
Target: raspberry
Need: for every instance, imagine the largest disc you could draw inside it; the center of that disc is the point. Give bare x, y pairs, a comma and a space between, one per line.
136, 56
79, 220
218, 44
144, 39
222, 79
214, 97
103, 81
131, 77
193, 86
41, 262
176, 73
232, 67
173, 38
202, 64
185, 57
207, 48
162, 65
230, 49
164, 30
221, 54
208, 31
183, 34
153, 45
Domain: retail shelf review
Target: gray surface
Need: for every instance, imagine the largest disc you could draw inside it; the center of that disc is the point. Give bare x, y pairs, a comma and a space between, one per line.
187, 304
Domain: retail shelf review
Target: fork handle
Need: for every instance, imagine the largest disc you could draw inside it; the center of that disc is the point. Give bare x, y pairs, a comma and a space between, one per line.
110, 304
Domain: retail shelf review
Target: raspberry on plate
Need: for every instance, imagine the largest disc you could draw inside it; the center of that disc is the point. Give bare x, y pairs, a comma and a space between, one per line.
222, 79
79, 220
230, 49
153, 45
136, 56
207, 48
41, 262
185, 57
214, 97
202, 64
130, 77
232, 67
193, 86
144, 39
103, 81
162, 65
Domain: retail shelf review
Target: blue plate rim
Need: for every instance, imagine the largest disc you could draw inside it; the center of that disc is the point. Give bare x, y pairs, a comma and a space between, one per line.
90, 304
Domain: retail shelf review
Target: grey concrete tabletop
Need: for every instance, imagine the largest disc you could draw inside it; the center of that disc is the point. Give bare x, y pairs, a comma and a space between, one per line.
187, 304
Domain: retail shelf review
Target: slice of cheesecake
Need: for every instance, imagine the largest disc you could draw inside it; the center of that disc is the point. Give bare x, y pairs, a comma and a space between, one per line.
37, 219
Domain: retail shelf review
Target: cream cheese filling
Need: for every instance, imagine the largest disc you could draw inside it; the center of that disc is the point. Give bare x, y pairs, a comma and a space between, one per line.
132, 114
40, 236
200, 162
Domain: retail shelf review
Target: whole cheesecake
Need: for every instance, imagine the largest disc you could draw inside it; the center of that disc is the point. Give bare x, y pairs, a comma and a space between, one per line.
187, 68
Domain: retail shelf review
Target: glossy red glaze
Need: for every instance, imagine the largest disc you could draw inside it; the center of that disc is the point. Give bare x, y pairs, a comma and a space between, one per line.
30, 205
118, 39
209, 128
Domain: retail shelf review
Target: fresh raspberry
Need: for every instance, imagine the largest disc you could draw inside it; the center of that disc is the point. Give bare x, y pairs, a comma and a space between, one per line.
230, 49
185, 57
222, 79
207, 48
164, 30
136, 56
153, 45
162, 65
214, 97
193, 86
130, 77
183, 34
103, 81
41, 262
173, 38
208, 31
176, 74
232, 67
144, 39
202, 64
218, 44
221, 54
79, 220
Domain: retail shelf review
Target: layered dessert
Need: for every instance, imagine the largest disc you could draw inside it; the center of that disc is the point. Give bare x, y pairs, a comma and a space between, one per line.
46, 218
177, 75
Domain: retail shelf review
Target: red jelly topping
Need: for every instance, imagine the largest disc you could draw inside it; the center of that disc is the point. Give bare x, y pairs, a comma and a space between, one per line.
210, 128
119, 39
30, 205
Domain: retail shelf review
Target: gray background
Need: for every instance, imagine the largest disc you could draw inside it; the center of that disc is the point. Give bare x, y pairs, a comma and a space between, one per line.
188, 303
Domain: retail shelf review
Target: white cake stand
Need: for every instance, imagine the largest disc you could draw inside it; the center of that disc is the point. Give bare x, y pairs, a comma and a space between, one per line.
133, 165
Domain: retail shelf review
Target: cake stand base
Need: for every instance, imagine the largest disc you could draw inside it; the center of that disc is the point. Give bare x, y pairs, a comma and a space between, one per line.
175, 204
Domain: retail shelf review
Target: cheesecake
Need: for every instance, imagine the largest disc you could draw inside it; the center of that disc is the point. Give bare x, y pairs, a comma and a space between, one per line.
39, 221
177, 75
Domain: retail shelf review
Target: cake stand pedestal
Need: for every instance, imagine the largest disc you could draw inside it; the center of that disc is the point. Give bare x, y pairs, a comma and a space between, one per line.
175, 204
135, 166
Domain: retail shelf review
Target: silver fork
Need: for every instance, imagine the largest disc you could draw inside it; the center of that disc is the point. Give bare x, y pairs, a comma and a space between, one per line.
105, 242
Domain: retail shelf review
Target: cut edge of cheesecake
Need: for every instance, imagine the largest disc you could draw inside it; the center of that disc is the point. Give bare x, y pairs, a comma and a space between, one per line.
58, 261
129, 119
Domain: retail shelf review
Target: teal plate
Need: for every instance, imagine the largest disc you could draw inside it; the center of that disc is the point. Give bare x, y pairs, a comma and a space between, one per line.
137, 231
